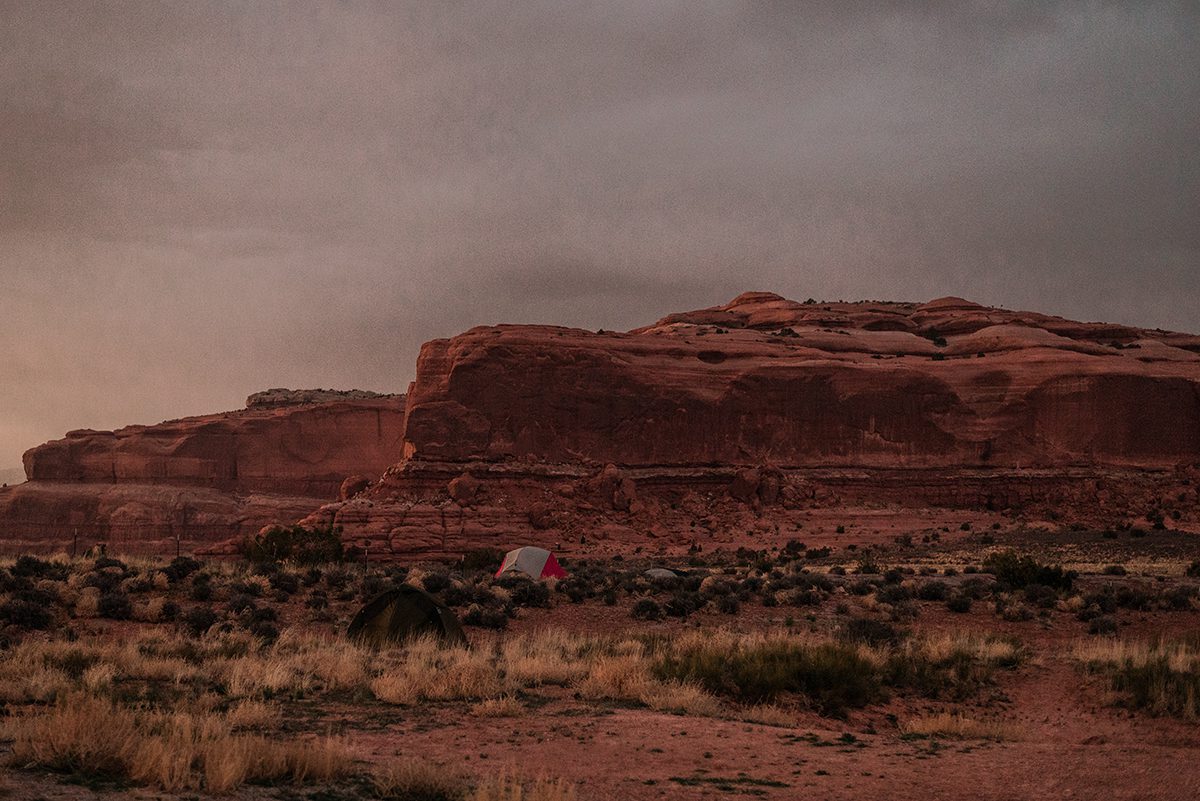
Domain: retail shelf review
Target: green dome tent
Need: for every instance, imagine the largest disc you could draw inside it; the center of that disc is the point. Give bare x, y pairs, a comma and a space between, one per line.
402, 613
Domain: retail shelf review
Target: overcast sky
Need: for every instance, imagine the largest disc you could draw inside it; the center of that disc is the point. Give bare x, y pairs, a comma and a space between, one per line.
199, 200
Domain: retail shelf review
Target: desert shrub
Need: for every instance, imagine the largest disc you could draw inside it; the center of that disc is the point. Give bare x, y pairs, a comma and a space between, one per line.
317, 600
1134, 598
180, 568
959, 602
241, 602
1178, 598
728, 605
932, 591
833, 676
868, 566
1193, 570
647, 609
263, 614
371, 586
486, 618
108, 563
1104, 624
115, 606
199, 619
1162, 677
1018, 571
435, 582
871, 632
25, 615
1115, 570
337, 578
482, 559
297, 544
976, 588
32, 567
1040, 596
576, 589
684, 603
265, 631
169, 612
283, 581
893, 594
530, 593
104, 580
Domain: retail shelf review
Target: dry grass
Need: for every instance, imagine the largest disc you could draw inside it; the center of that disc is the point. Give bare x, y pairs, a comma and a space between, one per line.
507, 787
959, 727
769, 715
504, 707
170, 750
417, 778
1161, 677
429, 672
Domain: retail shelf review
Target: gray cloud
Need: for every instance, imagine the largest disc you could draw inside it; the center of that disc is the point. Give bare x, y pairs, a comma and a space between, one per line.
200, 200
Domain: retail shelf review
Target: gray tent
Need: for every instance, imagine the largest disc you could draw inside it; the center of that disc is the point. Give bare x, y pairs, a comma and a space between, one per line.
404, 612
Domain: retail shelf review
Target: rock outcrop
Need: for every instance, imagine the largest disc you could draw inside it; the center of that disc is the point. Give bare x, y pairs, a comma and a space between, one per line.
767, 406
203, 479
740, 423
944, 384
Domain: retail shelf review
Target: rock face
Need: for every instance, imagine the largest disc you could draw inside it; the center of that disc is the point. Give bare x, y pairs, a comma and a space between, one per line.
769, 406
766, 380
304, 449
741, 423
205, 478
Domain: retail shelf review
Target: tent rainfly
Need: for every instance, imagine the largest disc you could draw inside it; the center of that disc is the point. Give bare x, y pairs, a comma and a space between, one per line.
536, 562
402, 613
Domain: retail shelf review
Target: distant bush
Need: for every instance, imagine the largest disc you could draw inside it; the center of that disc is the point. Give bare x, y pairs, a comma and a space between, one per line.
284, 581
870, 632
482, 559
32, 567
297, 544
959, 602
115, 606
932, 591
1018, 571
531, 593
647, 609
199, 619
834, 676
486, 618
25, 615
728, 605
180, 568
1193, 570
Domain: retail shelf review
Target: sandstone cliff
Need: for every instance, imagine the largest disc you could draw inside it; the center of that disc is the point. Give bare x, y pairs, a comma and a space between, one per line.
743, 415
203, 479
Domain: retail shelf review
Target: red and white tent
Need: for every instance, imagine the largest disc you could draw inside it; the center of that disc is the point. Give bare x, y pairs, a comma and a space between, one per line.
536, 562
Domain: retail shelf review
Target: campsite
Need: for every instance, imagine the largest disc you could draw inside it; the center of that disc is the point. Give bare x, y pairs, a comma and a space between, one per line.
765, 673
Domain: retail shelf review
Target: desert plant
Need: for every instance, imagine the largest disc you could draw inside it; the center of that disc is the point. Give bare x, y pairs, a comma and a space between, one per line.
297, 544
1019, 571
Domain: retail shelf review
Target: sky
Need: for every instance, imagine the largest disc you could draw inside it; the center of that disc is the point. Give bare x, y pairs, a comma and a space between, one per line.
201, 200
